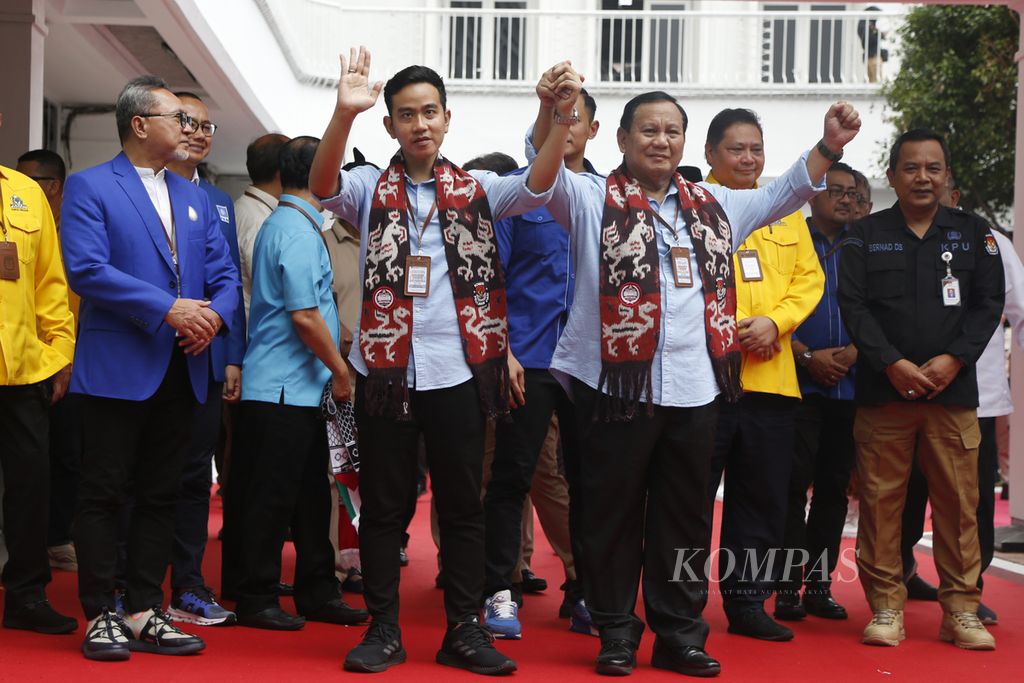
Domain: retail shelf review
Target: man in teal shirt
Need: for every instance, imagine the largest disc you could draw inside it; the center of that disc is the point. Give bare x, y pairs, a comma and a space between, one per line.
278, 472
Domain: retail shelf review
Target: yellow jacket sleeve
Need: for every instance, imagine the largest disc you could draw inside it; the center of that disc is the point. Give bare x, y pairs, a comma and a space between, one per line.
806, 286
55, 322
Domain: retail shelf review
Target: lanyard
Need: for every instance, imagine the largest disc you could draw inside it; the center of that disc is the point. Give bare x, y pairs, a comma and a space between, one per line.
675, 219
172, 242
423, 228
251, 195
312, 221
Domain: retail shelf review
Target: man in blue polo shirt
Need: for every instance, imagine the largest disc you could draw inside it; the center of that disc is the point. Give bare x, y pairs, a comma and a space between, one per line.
824, 450
277, 478
534, 249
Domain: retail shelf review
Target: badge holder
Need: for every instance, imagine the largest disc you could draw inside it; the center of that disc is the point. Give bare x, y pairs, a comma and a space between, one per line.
417, 275
750, 265
680, 257
950, 284
9, 268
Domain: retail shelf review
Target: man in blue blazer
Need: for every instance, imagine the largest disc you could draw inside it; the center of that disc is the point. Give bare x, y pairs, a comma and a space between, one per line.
144, 250
191, 600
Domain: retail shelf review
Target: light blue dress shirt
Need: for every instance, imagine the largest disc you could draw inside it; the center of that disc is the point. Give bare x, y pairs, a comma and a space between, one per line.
436, 359
681, 374
291, 271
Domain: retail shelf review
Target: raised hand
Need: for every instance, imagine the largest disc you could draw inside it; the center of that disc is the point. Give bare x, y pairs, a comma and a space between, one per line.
842, 123
355, 94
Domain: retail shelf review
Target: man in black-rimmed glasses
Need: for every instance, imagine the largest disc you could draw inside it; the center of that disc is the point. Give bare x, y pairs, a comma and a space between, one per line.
144, 250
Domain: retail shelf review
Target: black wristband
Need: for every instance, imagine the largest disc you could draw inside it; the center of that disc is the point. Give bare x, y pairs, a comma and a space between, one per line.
827, 153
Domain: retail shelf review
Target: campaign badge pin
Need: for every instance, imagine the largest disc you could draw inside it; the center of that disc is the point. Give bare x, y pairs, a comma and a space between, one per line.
222, 211
630, 293
192, 215
17, 204
383, 298
480, 294
990, 245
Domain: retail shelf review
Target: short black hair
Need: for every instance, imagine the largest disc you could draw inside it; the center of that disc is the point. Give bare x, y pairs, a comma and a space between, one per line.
261, 157
862, 181
496, 162
629, 111
411, 75
49, 162
136, 99
726, 119
589, 104
917, 135
295, 161
843, 168
191, 95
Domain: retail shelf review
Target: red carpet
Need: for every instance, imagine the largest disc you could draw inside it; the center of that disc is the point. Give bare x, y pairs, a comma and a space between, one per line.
822, 650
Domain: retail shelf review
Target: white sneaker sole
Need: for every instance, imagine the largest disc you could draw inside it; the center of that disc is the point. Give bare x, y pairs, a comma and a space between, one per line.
190, 618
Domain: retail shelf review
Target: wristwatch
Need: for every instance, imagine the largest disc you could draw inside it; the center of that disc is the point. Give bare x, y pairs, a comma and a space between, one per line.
827, 153
570, 120
804, 358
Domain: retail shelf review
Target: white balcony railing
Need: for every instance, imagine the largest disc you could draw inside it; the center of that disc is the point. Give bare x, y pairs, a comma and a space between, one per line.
665, 46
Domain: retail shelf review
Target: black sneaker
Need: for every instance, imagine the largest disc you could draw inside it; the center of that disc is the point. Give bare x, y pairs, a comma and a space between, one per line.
39, 617
468, 645
107, 639
380, 648
616, 658
753, 622
788, 607
336, 611
919, 589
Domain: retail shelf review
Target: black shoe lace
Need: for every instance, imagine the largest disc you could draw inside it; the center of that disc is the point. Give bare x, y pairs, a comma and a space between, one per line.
475, 635
379, 632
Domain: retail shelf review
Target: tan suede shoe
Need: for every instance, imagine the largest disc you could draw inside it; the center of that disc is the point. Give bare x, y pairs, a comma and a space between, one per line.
965, 630
885, 628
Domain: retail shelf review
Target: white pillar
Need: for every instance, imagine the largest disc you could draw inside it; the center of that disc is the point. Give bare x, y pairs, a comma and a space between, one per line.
22, 31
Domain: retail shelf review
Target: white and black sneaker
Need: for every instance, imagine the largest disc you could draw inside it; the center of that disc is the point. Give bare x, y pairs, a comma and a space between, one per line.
107, 638
468, 645
152, 631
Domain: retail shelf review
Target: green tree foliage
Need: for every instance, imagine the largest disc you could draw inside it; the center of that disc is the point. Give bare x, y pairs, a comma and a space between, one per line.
958, 78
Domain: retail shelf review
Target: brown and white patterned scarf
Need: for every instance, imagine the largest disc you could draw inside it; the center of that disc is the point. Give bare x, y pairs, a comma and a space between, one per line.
630, 291
477, 281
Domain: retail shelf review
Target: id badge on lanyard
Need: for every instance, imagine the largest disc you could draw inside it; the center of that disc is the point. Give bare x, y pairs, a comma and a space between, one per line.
680, 257
417, 275
750, 265
950, 284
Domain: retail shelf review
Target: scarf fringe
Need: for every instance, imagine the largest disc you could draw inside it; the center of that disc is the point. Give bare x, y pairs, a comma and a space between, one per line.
493, 384
626, 383
727, 372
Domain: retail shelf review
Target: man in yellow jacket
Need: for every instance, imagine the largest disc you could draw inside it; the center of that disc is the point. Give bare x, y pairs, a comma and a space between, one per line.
778, 284
37, 345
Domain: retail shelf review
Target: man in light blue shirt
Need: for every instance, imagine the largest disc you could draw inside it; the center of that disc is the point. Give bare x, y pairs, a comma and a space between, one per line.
431, 344
277, 478
645, 472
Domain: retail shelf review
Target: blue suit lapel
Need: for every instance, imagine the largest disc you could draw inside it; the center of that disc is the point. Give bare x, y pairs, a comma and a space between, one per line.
186, 217
128, 179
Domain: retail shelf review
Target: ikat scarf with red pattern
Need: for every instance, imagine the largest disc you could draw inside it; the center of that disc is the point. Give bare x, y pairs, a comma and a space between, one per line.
477, 281
630, 291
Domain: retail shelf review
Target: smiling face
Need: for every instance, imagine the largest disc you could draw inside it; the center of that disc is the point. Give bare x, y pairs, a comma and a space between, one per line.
920, 175
653, 145
418, 121
738, 159
198, 143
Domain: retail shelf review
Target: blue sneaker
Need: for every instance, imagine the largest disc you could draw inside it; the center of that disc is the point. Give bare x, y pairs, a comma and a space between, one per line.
580, 621
501, 616
198, 606
119, 603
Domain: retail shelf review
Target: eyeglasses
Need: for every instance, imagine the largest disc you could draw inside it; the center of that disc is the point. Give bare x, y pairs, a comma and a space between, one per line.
188, 124
208, 128
838, 192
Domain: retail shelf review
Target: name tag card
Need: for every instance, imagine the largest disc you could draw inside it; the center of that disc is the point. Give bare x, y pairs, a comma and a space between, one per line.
950, 291
750, 265
9, 269
417, 275
681, 266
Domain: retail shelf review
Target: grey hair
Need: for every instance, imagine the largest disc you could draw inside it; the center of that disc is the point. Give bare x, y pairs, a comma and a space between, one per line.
136, 98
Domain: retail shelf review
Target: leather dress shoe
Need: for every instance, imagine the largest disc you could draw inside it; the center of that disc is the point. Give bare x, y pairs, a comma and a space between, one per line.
919, 589
337, 612
271, 618
753, 622
616, 658
788, 607
688, 659
533, 583
821, 604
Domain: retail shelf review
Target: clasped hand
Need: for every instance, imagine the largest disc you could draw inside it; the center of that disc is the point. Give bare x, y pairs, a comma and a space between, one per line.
196, 323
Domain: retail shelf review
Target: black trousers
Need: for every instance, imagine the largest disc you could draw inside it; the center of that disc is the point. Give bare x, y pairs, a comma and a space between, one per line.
192, 515
452, 425
518, 442
279, 481
823, 455
141, 445
754, 446
646, 513
917, 501
25, 458
65, 466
